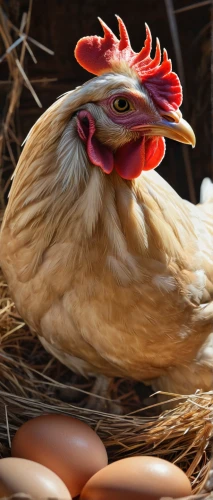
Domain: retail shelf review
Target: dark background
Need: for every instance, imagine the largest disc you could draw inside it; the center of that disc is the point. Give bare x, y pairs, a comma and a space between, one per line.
59, 24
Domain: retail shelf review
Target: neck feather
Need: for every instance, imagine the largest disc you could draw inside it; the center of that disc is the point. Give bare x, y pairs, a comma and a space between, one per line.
58, 197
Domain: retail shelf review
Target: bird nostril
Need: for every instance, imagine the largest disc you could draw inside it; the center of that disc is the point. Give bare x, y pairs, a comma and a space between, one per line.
172, 116
169, 118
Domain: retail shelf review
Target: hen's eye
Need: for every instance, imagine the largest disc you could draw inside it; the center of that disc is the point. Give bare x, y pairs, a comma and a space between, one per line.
121, 105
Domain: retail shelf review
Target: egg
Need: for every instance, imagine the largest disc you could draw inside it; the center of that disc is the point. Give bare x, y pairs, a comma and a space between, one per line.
67, 446
137, 478
18, 475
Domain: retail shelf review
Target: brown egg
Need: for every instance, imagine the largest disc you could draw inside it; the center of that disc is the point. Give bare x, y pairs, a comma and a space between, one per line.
18, 475
67, 446
137, 478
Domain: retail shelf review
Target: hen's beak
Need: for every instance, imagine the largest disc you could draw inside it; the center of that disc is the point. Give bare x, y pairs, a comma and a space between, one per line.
171, 125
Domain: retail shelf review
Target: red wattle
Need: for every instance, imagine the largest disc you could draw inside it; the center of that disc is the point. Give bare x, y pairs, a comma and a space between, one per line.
129, 159
143, 154
155, 150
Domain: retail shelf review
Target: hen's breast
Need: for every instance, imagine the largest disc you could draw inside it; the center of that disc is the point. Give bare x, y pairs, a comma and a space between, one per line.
137, 329
119, 281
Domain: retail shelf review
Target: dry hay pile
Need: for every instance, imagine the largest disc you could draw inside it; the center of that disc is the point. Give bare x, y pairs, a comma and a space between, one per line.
32, 383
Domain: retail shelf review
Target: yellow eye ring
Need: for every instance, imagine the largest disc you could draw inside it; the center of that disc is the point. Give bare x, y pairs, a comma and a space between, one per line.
121, 105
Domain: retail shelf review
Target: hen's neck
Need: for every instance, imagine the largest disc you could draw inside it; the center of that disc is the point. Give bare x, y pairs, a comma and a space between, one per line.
58, 197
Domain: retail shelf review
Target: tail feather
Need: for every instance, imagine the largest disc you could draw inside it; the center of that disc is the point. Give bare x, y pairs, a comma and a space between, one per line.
206, 191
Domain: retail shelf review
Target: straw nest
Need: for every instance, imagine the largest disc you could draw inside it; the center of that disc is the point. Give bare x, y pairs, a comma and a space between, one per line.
33, 383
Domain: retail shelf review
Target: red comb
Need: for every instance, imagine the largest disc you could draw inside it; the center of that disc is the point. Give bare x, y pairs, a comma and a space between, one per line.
97, 55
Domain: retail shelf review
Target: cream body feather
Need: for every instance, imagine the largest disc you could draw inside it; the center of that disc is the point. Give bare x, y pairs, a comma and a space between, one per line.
116, 273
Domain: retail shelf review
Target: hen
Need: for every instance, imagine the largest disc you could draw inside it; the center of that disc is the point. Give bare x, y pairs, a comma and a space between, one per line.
111, 268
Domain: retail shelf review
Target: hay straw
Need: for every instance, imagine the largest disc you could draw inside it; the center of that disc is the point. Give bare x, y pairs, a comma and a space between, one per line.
193, 6
31, 382
13, 39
